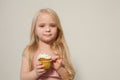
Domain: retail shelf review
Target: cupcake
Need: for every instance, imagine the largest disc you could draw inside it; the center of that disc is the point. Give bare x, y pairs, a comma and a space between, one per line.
45, 60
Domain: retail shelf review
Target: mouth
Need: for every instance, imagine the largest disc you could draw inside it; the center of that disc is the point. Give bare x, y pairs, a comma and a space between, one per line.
47, 34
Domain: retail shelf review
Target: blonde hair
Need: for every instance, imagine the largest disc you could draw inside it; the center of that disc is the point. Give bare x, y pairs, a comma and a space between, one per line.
59, 44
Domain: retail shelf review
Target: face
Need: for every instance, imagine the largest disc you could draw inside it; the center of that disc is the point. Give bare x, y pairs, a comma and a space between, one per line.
46, 28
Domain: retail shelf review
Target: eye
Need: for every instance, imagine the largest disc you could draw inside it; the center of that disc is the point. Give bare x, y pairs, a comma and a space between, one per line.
52, 25
41, 25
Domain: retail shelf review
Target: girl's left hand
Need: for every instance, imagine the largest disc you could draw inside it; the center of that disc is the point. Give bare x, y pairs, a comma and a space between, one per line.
57, 62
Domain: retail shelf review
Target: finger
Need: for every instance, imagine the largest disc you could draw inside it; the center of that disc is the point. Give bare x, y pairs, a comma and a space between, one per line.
40, 67
41, 73
55, 58
41, 70
38, 63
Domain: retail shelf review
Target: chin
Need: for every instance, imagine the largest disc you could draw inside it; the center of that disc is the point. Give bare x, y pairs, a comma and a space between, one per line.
47, 40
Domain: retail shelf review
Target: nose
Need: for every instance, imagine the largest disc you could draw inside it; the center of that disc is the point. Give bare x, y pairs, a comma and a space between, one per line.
48, 29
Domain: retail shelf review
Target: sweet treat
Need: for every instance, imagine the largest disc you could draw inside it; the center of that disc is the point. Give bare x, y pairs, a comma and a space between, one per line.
45, 60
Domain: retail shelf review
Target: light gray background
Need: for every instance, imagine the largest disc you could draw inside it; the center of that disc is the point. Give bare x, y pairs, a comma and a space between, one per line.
91, 28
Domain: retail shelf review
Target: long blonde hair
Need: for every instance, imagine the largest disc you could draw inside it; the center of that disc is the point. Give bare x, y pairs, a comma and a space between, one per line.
59, 44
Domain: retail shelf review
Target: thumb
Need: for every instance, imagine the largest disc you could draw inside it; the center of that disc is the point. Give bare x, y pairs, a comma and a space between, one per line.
55, 58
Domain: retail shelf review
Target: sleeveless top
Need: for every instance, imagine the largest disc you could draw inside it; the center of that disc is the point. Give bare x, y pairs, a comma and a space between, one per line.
51, 74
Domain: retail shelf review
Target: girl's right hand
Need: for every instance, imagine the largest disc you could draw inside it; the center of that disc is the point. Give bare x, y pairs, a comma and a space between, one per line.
39, 69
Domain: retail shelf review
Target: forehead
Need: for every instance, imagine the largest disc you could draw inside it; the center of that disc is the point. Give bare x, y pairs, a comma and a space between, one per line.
45, 17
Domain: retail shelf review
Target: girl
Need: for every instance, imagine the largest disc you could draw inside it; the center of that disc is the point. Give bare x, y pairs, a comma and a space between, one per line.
46, 37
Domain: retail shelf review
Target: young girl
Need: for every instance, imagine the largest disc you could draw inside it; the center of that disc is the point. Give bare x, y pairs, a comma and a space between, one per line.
46, 37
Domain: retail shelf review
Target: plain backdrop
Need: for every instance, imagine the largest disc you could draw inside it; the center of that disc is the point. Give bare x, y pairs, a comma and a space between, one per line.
91, 28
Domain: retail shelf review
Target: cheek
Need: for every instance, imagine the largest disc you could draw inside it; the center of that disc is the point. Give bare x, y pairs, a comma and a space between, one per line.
55, 33
38, 31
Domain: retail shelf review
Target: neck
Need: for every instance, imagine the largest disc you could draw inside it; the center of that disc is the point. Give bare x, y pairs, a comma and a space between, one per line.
43, 46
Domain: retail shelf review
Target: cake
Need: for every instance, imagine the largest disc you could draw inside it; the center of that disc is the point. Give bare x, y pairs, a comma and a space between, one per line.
45, 59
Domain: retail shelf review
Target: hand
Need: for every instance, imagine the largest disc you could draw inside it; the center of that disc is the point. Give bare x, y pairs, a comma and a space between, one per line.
57, 62
39, 69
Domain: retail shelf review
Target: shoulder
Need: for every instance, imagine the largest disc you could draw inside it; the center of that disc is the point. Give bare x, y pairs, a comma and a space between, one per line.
26, 52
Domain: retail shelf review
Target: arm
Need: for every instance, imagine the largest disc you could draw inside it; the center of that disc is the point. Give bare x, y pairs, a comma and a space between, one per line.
57, 65
26, 74
63, 73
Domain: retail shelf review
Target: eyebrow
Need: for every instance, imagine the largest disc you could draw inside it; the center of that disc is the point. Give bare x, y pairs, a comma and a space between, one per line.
44, 23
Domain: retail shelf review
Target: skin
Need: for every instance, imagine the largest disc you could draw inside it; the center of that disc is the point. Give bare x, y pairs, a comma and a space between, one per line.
46, 28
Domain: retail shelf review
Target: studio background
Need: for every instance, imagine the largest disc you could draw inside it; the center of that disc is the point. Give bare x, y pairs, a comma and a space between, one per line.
91, 28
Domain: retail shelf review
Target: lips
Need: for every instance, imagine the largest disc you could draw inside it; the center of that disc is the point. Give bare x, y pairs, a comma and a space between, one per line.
47, 34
